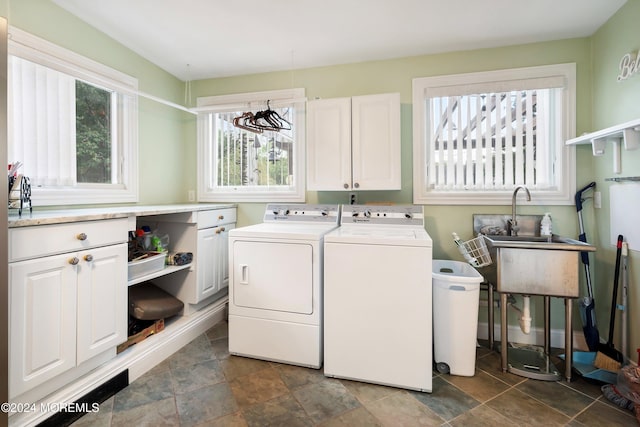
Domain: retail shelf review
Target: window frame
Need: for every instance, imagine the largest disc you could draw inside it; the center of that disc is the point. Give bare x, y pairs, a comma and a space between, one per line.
207, 153
566, 155
43, 52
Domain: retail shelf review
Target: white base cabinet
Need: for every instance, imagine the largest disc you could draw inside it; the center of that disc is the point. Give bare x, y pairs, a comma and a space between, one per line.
65, 309
354, 143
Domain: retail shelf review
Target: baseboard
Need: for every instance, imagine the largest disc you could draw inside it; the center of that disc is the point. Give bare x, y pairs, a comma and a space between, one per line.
535, 337
137, 360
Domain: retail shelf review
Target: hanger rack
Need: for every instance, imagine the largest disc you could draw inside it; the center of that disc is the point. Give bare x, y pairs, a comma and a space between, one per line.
263, 120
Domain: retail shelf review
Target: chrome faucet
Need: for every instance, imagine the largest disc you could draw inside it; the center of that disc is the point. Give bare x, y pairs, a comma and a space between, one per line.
514, 221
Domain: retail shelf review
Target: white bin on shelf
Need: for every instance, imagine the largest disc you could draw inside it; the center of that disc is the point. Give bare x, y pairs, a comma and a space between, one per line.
456, 293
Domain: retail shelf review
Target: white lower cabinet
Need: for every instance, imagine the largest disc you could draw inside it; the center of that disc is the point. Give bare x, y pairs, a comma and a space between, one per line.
65, 309
213, 261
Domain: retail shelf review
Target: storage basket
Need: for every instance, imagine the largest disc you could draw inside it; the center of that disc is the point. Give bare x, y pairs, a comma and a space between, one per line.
475, 252
152, 262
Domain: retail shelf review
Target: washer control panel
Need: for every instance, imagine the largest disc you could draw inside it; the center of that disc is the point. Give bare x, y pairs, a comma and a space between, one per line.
324, 214
383, 215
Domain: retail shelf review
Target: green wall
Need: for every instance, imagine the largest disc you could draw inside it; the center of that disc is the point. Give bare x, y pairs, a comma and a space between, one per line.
168, 136
614, 103
396, 76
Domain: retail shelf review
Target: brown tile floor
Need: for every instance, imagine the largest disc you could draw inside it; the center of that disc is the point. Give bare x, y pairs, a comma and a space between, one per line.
201, 385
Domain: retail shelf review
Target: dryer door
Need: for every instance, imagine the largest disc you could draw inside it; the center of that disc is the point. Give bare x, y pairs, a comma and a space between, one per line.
273, 276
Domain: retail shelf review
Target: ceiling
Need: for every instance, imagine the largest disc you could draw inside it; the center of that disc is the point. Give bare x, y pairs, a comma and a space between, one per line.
199, 39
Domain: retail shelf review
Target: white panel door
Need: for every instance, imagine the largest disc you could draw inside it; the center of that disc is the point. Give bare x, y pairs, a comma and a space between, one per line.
376, 142
273, 276
329, 144
42, 322
102, 300
206, 263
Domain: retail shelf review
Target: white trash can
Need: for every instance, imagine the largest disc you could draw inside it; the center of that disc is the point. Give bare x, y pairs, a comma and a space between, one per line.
456, 295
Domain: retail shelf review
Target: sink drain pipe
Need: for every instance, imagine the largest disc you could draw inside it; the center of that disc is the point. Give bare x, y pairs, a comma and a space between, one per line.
525, 312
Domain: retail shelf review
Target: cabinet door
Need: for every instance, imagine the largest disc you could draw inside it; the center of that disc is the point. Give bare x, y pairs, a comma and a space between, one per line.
206, 263
42, 320
213, 260
102, 300
221, 254
376, 142
329, 144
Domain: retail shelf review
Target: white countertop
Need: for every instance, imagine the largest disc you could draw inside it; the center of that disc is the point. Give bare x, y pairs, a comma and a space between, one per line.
57, 216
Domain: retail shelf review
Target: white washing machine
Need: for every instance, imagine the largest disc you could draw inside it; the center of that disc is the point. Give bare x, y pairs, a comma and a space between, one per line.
377, 297
275, 284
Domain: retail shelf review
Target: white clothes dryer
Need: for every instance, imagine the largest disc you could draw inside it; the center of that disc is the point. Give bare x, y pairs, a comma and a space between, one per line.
377, 297
275, 284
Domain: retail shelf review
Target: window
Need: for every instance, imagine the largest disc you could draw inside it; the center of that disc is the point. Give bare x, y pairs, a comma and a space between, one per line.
237, 163
478, 136
72, 124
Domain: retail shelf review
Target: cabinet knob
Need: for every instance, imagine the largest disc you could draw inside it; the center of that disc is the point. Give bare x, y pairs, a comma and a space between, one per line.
74, 261
346, 185
221, 217
356, 185
81, 236
219, 230
88, 257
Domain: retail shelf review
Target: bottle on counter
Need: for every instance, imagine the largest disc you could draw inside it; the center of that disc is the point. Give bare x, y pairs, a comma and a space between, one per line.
546, 226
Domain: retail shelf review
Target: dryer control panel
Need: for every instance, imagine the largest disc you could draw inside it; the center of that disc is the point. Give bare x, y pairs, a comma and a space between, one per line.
301, 213
383, 215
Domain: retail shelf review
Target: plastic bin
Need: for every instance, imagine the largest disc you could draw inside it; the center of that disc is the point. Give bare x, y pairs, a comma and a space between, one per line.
456, 294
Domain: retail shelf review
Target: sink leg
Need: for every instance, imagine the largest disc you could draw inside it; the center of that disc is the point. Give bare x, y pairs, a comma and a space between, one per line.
568, 338
547, 325
490, 313
504, 344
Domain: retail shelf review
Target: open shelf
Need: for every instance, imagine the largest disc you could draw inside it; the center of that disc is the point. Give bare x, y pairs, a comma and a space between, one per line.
167, 270
625, 134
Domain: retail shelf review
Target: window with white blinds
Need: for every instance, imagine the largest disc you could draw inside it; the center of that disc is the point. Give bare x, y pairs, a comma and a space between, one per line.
246, 163
72, 124
478, 136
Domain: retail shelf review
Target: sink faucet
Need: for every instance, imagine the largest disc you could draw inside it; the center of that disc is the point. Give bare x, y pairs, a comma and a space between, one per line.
514, 221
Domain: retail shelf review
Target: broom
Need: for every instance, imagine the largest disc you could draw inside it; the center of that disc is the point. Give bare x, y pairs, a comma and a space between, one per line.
608, 357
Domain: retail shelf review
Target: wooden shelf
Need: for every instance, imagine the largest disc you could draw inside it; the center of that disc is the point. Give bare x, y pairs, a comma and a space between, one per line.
625, 134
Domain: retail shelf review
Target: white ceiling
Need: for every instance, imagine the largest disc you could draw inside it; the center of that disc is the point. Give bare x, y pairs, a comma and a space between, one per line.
198, 39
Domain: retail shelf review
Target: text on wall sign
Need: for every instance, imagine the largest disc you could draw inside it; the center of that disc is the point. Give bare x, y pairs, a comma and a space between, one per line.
629, 65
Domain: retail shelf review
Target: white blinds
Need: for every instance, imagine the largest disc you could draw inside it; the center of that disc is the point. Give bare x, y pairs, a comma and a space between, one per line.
42, 123
491, 141
247, 159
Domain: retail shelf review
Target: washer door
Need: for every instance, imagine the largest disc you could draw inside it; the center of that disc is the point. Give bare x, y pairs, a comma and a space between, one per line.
273, 276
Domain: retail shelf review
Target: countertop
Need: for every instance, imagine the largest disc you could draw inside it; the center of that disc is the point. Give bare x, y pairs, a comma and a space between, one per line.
58, 216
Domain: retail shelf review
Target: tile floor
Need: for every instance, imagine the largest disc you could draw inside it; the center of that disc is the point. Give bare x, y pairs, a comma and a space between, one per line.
201, 385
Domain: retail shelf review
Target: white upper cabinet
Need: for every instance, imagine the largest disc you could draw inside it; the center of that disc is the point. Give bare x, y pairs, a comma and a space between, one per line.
354, 143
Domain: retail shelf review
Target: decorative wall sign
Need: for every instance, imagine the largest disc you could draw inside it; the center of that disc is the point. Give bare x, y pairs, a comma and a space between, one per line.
629, 65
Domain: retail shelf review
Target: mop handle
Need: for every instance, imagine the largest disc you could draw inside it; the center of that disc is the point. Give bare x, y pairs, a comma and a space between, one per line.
616, 277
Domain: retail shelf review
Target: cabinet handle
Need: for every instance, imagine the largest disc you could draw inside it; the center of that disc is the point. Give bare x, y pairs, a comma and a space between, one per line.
74, 261
219, 230
346, 185
81, 236
221, 217
88, 257
356, 185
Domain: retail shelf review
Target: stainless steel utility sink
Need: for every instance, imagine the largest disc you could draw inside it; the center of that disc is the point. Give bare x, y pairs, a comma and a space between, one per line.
553, 242
536, 265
